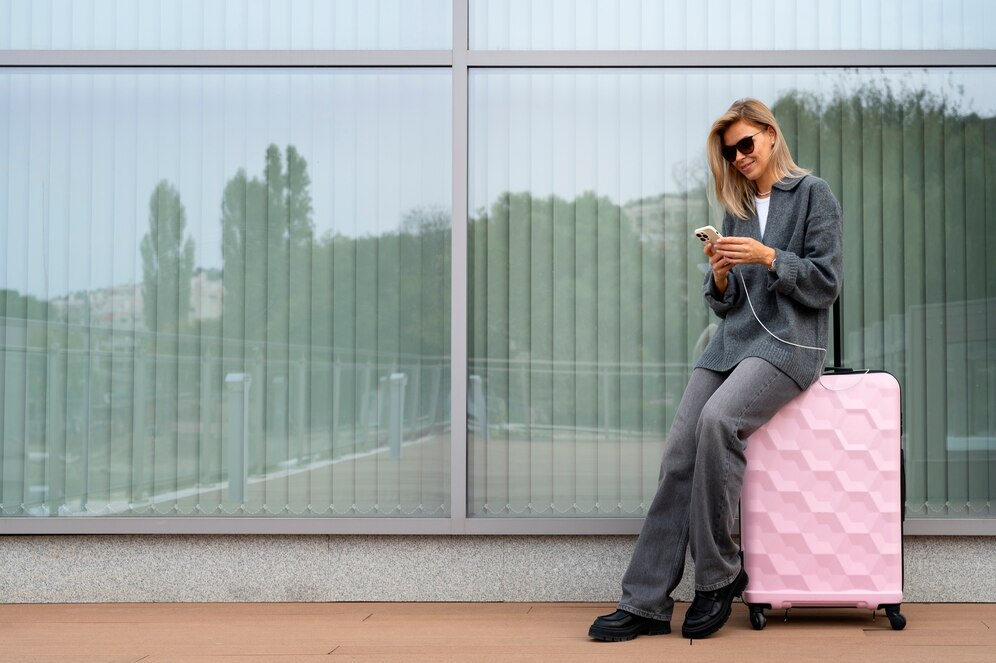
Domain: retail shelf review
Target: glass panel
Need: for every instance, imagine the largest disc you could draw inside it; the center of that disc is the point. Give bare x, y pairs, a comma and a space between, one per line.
585, 311
226, 24
719, 25
225, 292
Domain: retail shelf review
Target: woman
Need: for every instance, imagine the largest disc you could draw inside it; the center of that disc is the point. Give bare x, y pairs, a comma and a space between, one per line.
781, 246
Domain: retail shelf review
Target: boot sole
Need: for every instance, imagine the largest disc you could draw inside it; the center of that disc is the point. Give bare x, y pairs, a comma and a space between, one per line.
705, 632
608, 636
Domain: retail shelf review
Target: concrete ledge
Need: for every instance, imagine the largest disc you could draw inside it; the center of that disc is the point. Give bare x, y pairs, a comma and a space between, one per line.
170, 568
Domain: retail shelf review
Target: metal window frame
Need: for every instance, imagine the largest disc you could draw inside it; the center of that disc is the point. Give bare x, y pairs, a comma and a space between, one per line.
460, 60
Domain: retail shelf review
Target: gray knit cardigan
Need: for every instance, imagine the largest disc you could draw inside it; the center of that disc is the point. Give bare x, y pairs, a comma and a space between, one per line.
805, 228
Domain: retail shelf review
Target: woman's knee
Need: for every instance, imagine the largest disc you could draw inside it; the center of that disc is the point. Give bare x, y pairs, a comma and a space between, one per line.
716, 424
713, 416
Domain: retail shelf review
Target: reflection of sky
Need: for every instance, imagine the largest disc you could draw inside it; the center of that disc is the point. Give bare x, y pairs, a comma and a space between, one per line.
731, 24
84, 152
226, 24
629, 134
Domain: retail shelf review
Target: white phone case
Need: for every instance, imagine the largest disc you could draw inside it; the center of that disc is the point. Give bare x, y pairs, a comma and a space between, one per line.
707, 234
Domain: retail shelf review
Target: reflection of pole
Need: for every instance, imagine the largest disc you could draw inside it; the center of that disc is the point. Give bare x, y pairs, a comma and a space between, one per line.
364, 422
140, 489
209, 363
437, 383
606, 423
300, 411
480, 409
397, 410
417, 416
56, 424
279, 386
237, 385
526, 396
89, 371
256, 453
336, 390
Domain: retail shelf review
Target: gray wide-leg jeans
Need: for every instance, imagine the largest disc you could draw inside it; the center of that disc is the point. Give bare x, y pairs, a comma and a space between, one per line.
701, 475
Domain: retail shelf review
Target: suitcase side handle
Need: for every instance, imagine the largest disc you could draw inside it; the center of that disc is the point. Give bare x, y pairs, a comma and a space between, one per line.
902, 483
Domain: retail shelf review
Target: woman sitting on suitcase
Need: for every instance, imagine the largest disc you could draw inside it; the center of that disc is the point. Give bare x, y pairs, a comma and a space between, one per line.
778, 263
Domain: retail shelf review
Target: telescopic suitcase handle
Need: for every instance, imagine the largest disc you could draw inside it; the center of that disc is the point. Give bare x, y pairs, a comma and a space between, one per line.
838, 332
838, 345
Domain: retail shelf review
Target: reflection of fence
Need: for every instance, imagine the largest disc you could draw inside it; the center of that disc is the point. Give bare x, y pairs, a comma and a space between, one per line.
602, 397
89, 411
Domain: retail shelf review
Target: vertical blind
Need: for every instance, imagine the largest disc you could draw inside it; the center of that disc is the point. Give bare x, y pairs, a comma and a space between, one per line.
566, 25
224, 292
226, 24
582, 310
585, 308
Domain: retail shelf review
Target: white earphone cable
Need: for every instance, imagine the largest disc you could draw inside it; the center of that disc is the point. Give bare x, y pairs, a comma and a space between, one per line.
804, 347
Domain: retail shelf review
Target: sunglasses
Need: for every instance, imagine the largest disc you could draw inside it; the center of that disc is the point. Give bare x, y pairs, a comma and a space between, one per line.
744, 146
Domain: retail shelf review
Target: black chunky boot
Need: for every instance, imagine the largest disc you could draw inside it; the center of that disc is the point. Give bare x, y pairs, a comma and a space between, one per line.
710, 610
622, 625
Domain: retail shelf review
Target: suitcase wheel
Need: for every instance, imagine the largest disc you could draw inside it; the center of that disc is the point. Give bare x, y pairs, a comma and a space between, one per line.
897, 621
757, 618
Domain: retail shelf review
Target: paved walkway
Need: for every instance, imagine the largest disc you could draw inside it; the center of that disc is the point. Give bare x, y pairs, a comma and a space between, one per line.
234, 632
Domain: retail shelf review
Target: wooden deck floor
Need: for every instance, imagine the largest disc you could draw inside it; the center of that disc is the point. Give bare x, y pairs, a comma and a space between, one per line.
227, 633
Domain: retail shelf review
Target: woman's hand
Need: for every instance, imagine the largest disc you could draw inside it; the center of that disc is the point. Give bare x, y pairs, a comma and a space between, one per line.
744, 251
720, 266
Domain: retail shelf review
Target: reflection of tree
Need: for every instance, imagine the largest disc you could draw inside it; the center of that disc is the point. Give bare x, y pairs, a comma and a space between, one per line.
588, 252
25, 322
591, 282
912, 169
424, 284
563, 290
578, 307
15, 306
392, 284
266, 228
167, 262
318, 322
267, 235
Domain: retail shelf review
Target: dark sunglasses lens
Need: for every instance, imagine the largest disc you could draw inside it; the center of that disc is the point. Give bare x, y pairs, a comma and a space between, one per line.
744, 146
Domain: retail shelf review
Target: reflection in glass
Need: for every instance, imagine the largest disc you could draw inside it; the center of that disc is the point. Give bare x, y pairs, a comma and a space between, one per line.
721, 25
225, 293
585, 311
226, 24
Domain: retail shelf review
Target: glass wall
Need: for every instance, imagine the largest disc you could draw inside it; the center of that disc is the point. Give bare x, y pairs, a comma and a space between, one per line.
225, 292
228, 289
585, 307
720, 25
226, 24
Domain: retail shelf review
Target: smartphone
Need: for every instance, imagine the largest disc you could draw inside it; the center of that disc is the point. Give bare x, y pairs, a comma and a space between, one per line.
707, 234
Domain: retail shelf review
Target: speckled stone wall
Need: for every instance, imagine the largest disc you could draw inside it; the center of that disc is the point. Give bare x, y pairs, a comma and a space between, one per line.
110, 568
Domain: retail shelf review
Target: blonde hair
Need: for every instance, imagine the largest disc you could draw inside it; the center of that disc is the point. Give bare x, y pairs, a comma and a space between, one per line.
734, 191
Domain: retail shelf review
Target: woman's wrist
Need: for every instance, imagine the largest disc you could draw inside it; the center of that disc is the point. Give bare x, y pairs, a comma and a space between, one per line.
719, 282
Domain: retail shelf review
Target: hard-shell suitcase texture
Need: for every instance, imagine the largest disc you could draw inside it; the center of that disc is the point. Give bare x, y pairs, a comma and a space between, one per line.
822, 501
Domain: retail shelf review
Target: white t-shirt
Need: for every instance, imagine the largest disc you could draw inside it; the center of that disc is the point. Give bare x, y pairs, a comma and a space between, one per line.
762, 211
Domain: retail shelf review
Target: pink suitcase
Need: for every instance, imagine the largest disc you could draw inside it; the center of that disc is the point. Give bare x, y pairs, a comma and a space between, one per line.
822, 502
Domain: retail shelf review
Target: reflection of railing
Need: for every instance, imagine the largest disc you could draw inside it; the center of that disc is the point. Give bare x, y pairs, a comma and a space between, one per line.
135, 423
533, 395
